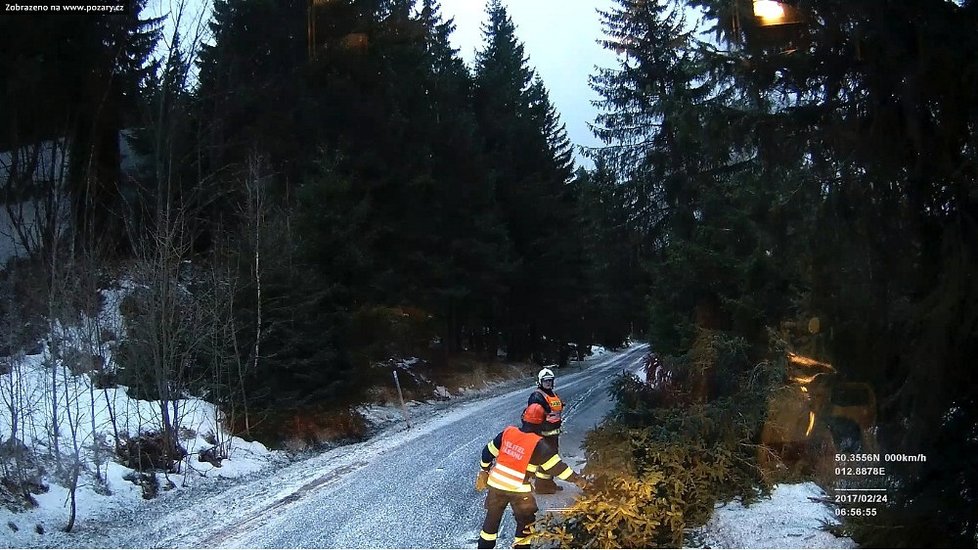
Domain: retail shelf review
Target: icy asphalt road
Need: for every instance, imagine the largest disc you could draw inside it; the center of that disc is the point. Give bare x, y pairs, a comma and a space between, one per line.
403, 488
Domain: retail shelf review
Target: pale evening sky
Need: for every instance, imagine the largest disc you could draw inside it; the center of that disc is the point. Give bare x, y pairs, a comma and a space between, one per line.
559, 37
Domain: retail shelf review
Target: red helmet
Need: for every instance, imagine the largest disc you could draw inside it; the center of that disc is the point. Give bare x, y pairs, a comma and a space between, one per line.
534, 414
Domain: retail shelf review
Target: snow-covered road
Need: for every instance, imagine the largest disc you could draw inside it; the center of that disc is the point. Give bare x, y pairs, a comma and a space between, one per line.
403, 488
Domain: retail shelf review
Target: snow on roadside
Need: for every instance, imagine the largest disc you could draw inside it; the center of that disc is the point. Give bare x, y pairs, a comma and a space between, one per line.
31, 376
89, 417
115, 495
26, 400
788, 519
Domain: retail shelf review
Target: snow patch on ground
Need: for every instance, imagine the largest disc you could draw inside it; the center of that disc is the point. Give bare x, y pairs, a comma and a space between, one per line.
108, 491
598, 351
408, 363
789, 519
104, 492
88, 419
406, 366
380, 415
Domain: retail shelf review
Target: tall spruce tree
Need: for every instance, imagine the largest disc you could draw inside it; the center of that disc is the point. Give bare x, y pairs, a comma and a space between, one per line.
879, 100
250, 86
408, 147
652, 118
529, 158
471, 243
820, 173
612, 256
264, 126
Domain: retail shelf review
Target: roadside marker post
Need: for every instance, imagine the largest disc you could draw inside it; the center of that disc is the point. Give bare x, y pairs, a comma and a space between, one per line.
407, 417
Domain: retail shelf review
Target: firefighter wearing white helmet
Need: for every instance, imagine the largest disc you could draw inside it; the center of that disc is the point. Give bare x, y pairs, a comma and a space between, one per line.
545, 396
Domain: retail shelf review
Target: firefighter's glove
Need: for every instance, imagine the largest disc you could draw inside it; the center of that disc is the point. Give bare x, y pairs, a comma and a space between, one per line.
481, 481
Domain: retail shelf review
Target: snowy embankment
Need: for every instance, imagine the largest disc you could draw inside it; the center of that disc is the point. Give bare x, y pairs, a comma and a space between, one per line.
90, 418
54, 422
105, 484
794, 517
107, 496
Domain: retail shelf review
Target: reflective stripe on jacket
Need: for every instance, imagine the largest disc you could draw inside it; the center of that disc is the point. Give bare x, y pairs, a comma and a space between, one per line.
509, 473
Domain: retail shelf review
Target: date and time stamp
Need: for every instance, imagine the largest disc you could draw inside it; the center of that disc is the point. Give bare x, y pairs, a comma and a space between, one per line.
861, 490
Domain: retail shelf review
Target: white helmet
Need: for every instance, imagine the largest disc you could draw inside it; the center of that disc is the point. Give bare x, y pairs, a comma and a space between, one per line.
545, 374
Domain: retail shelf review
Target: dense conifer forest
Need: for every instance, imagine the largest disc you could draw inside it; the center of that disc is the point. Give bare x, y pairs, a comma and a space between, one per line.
299, 190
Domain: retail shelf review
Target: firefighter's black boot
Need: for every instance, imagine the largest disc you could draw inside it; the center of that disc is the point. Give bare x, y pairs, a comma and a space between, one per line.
487, 540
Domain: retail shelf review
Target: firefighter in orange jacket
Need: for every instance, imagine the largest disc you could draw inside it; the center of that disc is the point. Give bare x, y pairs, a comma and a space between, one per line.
546, 397
514, 456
